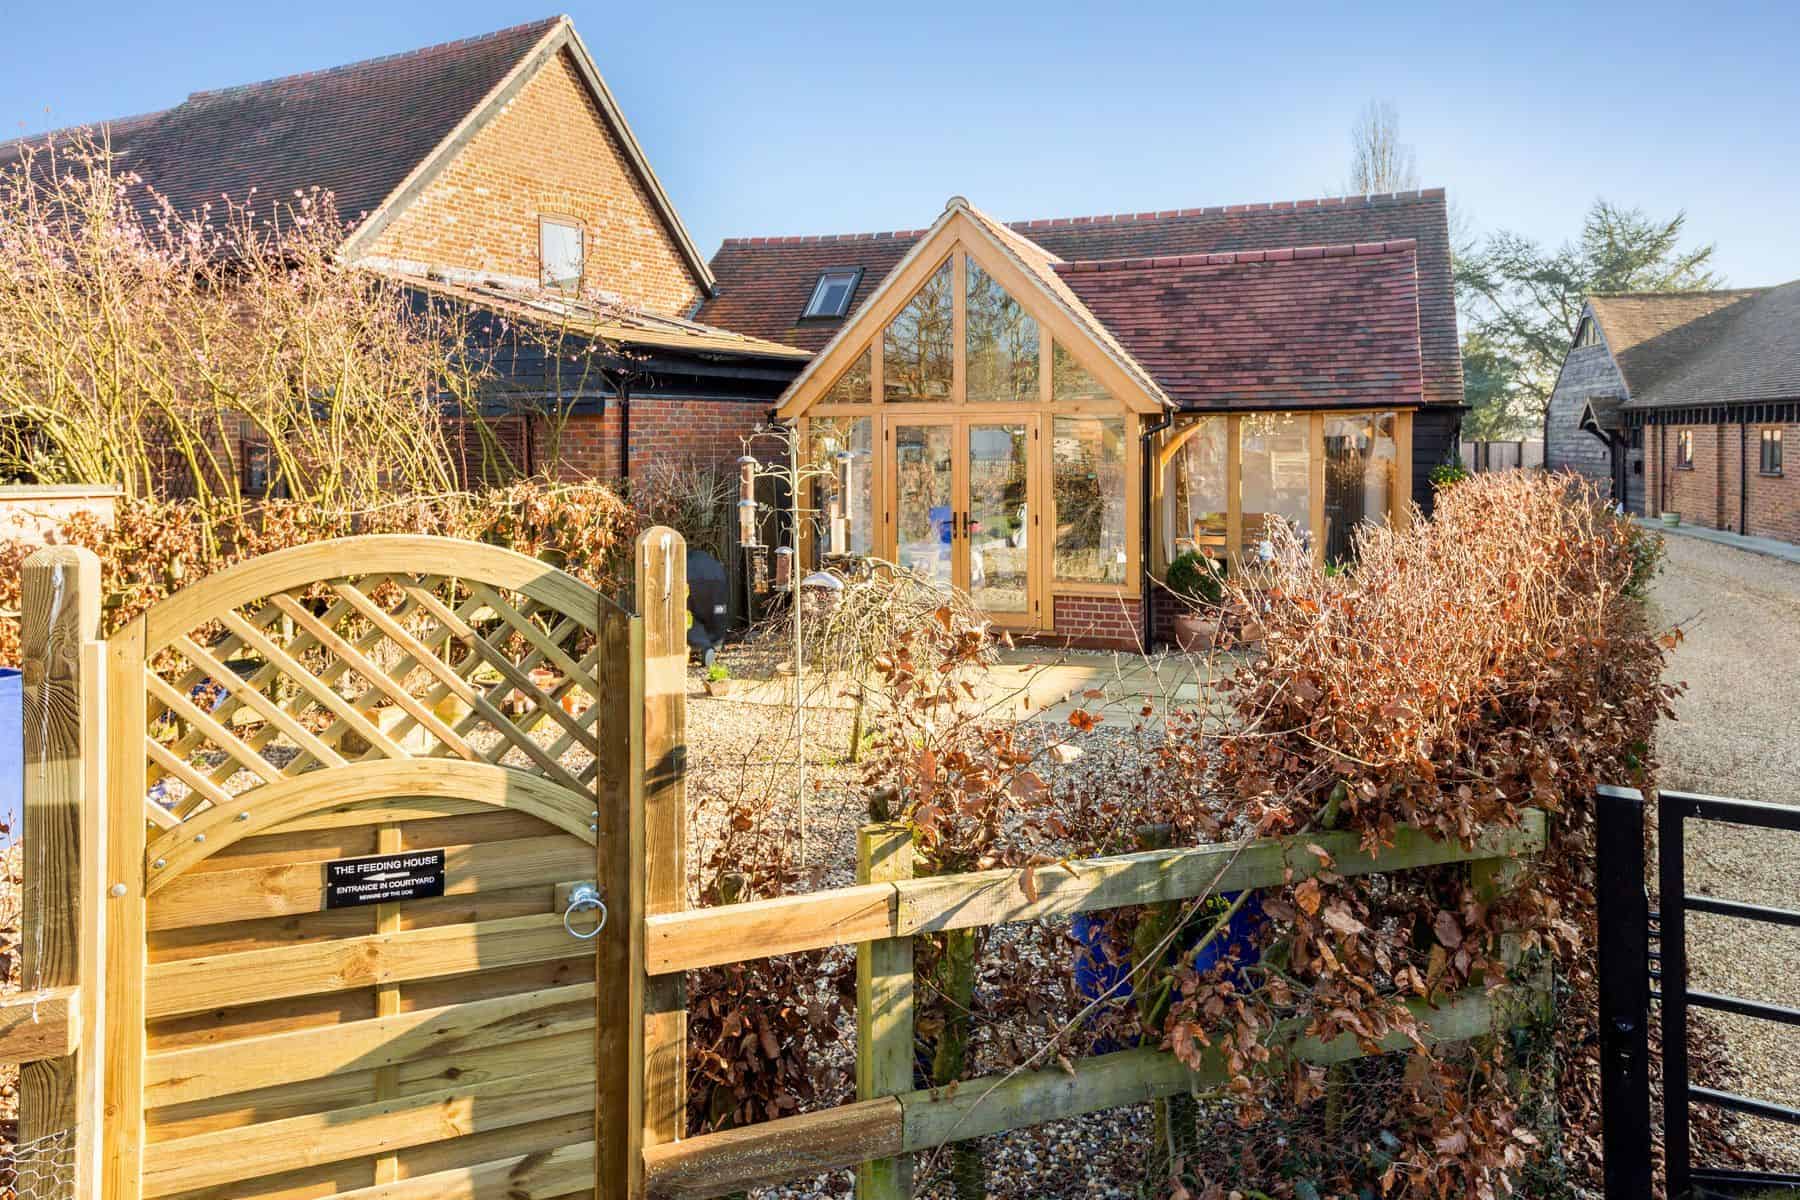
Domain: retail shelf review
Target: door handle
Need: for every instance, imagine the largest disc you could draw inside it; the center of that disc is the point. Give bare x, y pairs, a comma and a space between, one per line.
585, 897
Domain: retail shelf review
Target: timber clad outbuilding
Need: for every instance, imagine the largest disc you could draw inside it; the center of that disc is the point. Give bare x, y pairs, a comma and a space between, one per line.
1686, 403
1047, 413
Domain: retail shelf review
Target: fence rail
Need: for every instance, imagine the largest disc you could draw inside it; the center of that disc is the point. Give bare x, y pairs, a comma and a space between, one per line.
883, 918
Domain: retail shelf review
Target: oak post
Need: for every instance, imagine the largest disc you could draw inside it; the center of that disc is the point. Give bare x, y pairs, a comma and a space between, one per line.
59, 614
659, 816
884, 1007
124, 1042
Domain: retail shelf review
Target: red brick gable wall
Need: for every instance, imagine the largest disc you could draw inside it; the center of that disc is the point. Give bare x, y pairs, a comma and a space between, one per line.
550, 153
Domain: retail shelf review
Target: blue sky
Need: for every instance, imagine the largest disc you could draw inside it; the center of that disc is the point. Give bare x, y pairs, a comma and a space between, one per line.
777, 118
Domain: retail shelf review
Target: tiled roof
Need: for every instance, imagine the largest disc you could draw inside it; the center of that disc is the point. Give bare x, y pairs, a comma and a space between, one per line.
1682, 348
619, 324
1290, 328
764, 282
357, 131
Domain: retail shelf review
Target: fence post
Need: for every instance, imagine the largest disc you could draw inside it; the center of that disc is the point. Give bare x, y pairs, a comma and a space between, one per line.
1623, 911
1671, 907
659, 818
884, 1007
59, 615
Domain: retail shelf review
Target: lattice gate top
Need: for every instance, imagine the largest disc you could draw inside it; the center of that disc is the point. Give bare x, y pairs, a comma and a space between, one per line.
345, 652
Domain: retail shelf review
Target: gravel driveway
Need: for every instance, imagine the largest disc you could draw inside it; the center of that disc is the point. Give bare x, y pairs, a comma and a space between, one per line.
1739, 735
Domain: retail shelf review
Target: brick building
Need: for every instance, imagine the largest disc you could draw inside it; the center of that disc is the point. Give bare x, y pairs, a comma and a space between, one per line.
498, 172
1684, 403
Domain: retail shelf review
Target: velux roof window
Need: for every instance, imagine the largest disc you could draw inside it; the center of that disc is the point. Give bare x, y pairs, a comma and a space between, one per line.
831, 295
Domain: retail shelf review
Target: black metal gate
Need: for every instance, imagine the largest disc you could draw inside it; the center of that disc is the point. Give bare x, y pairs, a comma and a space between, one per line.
1629, 964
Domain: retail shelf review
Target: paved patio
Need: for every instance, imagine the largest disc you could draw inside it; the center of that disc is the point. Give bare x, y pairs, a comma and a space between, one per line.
1042, 683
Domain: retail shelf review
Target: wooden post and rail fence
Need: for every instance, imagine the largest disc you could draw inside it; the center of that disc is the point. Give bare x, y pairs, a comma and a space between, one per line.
436, 1047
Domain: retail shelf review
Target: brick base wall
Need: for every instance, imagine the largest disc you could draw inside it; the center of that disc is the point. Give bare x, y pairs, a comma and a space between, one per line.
1100, 622
1775, 499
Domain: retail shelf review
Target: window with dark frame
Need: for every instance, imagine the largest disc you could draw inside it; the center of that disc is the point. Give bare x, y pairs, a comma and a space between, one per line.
1684, 450
1771, 451
1586, 334
560, 253
831, 295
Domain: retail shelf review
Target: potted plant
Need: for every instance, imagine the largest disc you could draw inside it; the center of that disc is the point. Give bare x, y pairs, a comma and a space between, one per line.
718, 680
1200, 582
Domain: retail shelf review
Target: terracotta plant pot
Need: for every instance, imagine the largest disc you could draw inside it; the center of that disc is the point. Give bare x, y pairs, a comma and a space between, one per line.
1194, 632
719, 687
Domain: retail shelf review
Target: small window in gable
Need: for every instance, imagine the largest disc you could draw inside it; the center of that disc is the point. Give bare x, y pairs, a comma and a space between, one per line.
831, 295
1586, 334
918, 348
560, 253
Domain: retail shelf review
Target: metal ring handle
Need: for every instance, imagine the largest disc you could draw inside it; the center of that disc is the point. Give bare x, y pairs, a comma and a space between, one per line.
585, 898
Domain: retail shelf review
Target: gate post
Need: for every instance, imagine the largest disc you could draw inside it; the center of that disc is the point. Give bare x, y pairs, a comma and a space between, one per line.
656, 1017
63, 710
1623, 910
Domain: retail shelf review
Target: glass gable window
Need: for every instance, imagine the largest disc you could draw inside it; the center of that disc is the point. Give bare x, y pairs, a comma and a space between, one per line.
1087, 465
560, 253
852, 386
1275, 484
918, 348
1002, 343
841, 452
1069, 380
1362, 462
831, 295
1195, 502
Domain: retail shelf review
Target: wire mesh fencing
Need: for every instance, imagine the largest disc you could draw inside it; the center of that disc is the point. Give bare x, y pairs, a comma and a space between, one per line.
41, 1169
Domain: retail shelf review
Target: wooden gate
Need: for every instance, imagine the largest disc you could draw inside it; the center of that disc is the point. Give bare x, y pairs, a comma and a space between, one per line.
368, 845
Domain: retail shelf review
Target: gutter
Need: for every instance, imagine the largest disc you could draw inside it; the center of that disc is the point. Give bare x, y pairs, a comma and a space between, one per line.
1145, 436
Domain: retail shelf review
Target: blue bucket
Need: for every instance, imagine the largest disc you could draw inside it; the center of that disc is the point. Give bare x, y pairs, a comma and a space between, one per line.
12, 753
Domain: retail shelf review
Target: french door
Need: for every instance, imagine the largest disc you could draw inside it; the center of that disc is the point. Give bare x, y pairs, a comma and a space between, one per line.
965, 508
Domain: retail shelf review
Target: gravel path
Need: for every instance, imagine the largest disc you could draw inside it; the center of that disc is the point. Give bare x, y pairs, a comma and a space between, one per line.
1739, 735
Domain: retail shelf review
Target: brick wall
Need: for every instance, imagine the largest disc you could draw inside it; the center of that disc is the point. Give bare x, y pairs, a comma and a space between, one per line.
550, 152
1775, 499
1109, 622
1710, 495
666, 431
690, 430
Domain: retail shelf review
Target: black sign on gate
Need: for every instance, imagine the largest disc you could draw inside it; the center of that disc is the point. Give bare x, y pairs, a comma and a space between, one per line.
409, 875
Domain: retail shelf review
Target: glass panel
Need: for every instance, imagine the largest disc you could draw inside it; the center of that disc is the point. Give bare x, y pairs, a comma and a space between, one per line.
1087, 458
1003, 344
923, 514
918, 348
1276, 484
848, 484
998, 517
1069, 380
852, 386
1361, 464
1193, 488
